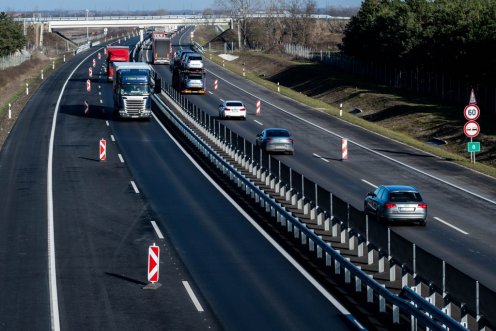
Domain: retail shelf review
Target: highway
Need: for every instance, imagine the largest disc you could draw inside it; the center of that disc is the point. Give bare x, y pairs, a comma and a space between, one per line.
76, 230
462, 203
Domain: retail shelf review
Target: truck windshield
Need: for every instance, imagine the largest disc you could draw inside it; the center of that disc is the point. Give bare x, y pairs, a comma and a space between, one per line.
135, 89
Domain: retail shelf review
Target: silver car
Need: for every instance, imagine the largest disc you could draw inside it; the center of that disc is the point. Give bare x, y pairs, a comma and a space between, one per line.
275, 140
396, 203
232, 108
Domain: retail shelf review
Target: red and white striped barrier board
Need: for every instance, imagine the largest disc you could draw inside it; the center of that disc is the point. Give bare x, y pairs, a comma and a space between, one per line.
216, 84
103, 149
258, 108
344, 149
153, 263
88, 85
86, 107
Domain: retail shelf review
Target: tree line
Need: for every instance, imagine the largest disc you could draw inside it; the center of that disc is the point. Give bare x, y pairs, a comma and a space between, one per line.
448, 36
11, 35
451, 36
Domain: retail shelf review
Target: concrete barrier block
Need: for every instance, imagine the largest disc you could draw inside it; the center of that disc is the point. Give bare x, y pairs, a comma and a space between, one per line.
335, 229
313, 213
352, 243
294, 198
327, 224
394, 273
344, 236
299, 204
262, 176
306, 208
320, 218
361, 249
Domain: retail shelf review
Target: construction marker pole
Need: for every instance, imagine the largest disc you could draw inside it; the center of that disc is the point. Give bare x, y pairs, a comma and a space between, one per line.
10, 111
27, 88
64, 58
216, 84
53, 65
41, 74
258, 108
340, 109
103, 149
344, 149
153, 267
278, 89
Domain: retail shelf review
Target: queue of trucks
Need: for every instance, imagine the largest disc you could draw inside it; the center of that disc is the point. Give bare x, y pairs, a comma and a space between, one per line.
132, 86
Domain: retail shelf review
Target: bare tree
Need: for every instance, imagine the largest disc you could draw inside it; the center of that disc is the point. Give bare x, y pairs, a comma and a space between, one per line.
240, 10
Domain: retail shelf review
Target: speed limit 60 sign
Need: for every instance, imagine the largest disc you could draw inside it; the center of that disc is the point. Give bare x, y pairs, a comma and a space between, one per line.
471, 112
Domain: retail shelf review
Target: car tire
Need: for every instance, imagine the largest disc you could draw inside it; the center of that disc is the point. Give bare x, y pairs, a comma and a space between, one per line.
423, 223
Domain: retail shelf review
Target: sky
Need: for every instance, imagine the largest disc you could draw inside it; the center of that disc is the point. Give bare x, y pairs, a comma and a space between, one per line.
132, 5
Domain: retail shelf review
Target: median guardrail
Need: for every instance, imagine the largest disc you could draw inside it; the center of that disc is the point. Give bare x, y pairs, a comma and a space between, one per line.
411, 305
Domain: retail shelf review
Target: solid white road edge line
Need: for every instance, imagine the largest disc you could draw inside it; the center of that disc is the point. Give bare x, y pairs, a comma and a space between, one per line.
135, 188
157, 230
450, 225
360, 145
121, 158
52, 270
285, 254
192, 296
369, 183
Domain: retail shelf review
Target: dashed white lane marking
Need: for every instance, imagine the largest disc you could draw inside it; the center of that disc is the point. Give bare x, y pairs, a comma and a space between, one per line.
367, 182
259, 123
192, 296
157, 230
101, 101
100, 93
121, 158
210, 92
107, 122
320, 157
135, 188
112, 137
450, 225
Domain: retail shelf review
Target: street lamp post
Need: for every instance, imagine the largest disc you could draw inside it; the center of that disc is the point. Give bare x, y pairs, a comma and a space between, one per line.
87, 35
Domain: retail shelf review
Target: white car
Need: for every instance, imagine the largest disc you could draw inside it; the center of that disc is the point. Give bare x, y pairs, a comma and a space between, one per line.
232, 108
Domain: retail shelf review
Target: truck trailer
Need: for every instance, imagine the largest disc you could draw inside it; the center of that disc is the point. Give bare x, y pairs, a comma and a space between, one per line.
132, 89
116, 54
188, 81
161, 48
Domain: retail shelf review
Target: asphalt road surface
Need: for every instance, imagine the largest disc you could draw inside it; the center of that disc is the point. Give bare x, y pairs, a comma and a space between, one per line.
462, 203
76, 230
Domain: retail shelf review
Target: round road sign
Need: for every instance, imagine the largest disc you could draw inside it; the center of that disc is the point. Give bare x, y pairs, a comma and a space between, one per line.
471, 112
471, 129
